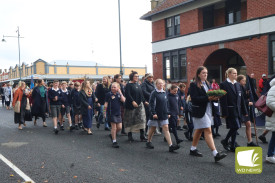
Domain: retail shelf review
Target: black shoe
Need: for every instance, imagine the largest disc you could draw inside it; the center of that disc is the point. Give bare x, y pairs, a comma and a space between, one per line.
219, 156
235, 145
253, 135
252, 144
80, 125
115, 145
186, 134
97, 125
130, 139
107, 129
173, 147
190, 139
179, 128
71, 128
217, 134
62, 128
179, 141
233, 149
263, 139
184, 127
149, 145
143, 138
195, 153
164, 139
225, 145
76, 127
55, 131
58, 124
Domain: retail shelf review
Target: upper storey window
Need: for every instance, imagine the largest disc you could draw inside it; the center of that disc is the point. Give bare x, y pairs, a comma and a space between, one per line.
233, 11
172, 26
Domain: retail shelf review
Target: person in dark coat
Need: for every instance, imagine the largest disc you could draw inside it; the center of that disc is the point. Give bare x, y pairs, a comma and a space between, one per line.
76, 105
101, 91
233, 107
87, 99
40, 104
202, 114
147, 88
246, 119
134, 113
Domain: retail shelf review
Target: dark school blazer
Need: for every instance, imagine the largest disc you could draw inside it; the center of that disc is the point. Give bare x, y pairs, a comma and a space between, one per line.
232, 104
199, 100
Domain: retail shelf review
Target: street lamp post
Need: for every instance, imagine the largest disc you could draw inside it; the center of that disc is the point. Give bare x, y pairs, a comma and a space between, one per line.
120, 54
18, 37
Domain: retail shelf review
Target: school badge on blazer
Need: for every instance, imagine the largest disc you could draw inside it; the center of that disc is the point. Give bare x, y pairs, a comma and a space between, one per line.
248, 160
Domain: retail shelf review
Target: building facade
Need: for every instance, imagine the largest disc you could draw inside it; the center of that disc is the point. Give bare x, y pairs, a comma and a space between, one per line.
217, 34
67, 70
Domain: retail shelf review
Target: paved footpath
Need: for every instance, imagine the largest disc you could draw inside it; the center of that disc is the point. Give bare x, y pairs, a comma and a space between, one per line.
76, 157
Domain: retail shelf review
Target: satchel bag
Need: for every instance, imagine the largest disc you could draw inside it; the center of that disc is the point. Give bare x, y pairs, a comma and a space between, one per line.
261, 106
17, 107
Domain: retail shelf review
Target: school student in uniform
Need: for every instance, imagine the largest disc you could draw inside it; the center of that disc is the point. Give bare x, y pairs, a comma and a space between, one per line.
246, 119
202, 114
233, 107
159, 115
113, 101
188, 117
181, 93
65, 105
76, 105
55, 103
175, 104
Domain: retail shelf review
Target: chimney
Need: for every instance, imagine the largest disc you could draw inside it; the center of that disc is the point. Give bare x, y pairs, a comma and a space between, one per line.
5, 70
155, 3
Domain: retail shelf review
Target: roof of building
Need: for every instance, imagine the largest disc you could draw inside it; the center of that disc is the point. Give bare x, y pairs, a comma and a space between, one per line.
74, 63
164, 6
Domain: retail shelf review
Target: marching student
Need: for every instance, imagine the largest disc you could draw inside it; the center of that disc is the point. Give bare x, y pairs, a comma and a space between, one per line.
113, 101
181, 93
174, 105
188, 116
87, 99
246, 119
55, 103
65, 105
233, 107
159, 115
202, 114
76, 105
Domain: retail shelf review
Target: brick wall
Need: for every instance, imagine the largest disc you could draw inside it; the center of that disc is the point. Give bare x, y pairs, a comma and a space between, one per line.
244, 11
260, 8
157, 60
189, 21
158, 30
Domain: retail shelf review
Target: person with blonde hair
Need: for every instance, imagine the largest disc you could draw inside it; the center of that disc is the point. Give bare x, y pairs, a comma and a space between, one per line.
159, 108
233, 107
8, 95
101, 91
87, 99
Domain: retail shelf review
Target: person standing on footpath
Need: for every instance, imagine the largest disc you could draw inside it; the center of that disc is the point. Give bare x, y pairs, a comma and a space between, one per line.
202, 114
55, 103
270, 122
159, 108
2, 94
40, 103
87, 99
147, 88
101, 91
262, 83
8, 95
134, 113
112, 103
246, 119
20, 96
233, 107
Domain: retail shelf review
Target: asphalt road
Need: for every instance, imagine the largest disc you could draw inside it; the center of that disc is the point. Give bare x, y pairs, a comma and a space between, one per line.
77, 157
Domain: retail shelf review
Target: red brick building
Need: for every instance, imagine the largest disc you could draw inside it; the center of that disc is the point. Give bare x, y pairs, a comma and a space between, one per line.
215, 33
